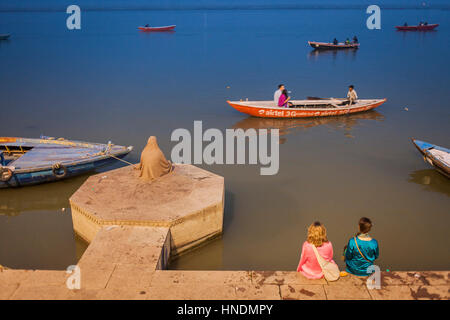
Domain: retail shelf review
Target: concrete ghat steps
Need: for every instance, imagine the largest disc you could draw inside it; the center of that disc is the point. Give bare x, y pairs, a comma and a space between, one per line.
129, 252
126, 262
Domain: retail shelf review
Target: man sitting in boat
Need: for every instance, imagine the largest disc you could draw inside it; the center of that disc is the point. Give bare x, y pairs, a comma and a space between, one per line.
355, 39
335, 41
351, 95
406, 24
147, 25
277, 94
347, 41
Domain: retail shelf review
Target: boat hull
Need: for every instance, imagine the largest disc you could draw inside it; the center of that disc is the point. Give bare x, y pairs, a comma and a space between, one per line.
156, 29
54, 160
331, 46
278, 112
425, 148
417, 28
4, 36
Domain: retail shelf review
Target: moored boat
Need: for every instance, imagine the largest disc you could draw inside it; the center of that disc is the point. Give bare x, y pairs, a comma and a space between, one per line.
4, 36
26, 161
438, 157
304, 108
423, 27
165, 28
328, 46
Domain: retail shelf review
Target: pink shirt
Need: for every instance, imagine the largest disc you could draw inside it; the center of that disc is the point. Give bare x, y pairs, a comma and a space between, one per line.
282, 101
308, 265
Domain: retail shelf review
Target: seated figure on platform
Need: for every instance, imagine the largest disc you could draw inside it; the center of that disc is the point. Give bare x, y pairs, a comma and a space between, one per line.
153, 162
361, 250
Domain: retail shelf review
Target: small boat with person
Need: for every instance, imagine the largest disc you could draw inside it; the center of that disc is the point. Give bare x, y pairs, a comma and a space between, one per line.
305, 108
26, 161
419, 27
438, 157
4, 36
165, 28
331, 46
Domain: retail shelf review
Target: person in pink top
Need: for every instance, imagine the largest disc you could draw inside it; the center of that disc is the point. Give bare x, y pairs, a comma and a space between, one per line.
283, 101
308, 265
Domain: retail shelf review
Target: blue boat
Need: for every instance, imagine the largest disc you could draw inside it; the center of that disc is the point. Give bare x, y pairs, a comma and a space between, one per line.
437, 156
26, 162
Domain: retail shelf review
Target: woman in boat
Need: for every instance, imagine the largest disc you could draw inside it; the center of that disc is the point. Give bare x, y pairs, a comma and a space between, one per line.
308, 265
283, 101
361, 250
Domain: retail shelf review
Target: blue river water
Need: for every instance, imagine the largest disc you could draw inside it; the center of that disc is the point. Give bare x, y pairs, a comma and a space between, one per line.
110, 82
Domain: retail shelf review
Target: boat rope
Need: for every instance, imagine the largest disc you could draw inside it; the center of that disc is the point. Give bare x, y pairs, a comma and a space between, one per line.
112, 156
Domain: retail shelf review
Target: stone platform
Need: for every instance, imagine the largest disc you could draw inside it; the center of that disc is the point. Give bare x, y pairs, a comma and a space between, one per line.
132, 236
189, 202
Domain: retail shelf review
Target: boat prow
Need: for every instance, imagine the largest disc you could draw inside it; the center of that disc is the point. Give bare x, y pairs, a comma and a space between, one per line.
304, 108
438, 157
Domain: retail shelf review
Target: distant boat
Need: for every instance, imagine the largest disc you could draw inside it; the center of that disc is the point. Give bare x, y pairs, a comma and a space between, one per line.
166, 28
26, 161
4, 36
328, 46
304, 108
427, 27
438, 157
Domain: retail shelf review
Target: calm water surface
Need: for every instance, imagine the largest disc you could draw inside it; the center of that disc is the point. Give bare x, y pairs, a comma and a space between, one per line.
110, 82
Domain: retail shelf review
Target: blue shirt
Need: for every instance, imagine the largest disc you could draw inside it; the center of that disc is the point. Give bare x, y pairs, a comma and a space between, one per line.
356, 264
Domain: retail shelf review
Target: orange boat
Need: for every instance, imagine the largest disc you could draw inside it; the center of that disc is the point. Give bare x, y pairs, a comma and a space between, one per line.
305, 108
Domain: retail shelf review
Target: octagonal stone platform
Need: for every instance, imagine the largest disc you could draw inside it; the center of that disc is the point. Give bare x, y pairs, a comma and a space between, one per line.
189, 201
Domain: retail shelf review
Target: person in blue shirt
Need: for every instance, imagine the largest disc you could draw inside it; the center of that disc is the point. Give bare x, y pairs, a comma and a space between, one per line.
361, 250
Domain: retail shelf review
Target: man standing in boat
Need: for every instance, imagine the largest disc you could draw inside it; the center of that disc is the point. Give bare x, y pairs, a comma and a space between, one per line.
277, 94
351, 95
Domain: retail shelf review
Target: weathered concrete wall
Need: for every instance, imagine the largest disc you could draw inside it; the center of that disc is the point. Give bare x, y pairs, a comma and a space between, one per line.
189, 201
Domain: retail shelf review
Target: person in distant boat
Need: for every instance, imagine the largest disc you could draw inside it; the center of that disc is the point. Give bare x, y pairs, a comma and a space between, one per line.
347, 41
362, 250
351, 95
425, 24
277, 94
308, 264
335, 41
355, 39
420, 23
147, 25
283, 101
405, 24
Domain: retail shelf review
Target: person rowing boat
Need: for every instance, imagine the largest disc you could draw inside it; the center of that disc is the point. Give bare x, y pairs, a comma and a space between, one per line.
351, 95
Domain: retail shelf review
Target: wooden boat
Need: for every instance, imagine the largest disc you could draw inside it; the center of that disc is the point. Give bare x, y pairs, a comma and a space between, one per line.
438, 157
427, 27
304, 108
328, 46
4, 36
26, 161
165, 28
